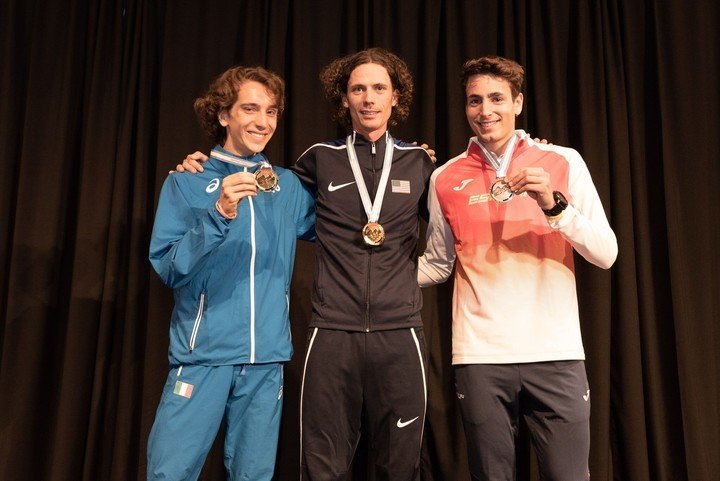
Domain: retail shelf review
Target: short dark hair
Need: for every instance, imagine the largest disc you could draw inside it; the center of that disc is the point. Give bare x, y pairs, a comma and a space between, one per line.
495, 66
223, 92
335, 76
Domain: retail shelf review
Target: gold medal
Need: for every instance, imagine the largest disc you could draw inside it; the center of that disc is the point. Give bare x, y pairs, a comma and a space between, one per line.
373, 234
500, 191
266, 179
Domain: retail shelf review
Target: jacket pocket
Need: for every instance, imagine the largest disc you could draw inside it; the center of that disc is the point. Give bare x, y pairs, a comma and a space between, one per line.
196, 324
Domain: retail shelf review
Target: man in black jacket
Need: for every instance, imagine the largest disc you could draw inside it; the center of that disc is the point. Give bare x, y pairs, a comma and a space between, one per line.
365, 347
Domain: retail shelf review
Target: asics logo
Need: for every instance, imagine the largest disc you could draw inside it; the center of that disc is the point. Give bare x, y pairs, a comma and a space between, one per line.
333, 188
586, 396
401, 424
212, 186
462, 184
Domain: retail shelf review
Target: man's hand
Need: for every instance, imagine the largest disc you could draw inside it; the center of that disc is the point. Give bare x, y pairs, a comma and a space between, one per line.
235, 188
430, 151
192, 163
536, 182
538, 139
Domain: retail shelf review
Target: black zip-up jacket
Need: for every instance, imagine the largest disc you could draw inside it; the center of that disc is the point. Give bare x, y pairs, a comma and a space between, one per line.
360, 287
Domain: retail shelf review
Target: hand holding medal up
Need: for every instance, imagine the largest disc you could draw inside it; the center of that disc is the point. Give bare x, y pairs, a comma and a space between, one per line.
536, 182
235, 188
533, 180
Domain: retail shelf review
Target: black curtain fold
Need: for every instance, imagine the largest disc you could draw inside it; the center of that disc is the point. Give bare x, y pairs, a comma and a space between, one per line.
96, 106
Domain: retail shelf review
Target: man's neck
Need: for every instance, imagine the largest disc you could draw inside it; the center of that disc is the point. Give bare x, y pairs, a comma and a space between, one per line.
230, 147
374, 135
497, 147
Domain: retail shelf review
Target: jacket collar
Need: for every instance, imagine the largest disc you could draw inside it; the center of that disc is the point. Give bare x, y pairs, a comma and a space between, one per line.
359, 139
233, 162
474, 150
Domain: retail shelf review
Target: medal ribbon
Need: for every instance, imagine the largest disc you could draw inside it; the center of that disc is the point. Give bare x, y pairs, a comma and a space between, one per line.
502, 165
372, 211
239, 161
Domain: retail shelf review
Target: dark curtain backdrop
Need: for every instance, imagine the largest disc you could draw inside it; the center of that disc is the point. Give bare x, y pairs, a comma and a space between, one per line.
96, 106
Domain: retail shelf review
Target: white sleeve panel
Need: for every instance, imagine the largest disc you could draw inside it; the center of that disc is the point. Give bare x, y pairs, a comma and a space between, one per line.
584, 223
436, 263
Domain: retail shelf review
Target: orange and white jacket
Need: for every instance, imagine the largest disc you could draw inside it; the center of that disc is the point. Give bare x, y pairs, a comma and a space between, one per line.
514, 297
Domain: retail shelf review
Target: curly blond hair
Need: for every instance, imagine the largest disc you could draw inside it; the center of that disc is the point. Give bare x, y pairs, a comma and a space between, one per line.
223, 92
335, 78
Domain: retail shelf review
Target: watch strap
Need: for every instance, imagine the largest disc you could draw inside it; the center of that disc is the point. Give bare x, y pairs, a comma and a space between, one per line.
561, 204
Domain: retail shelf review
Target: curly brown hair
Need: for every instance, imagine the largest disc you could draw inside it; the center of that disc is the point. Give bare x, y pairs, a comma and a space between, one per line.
335, 76
223, 92
495, 66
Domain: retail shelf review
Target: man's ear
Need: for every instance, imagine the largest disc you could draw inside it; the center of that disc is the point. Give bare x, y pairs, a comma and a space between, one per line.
394, 98
222, 118
518, 104
345, 101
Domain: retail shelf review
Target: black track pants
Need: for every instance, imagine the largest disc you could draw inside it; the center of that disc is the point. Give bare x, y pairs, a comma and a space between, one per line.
382, 372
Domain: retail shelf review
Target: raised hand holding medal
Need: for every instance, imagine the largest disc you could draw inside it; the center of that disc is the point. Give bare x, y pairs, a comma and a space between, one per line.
536, 182
235, 188
246, 183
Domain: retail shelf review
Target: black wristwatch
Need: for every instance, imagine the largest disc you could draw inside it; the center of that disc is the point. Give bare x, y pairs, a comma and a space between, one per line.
560, 204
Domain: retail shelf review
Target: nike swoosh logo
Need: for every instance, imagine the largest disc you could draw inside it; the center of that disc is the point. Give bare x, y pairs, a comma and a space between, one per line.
586, 396
402, 424
462, 184
333, 188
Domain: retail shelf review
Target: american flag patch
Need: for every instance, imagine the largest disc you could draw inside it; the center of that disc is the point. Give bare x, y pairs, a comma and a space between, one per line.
183, 389
401, 186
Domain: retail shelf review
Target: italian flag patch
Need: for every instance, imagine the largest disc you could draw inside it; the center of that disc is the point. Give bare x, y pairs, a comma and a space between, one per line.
183, 389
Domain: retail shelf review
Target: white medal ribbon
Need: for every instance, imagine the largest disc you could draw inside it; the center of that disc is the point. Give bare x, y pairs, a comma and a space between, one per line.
500, 166
371, 210
231, 159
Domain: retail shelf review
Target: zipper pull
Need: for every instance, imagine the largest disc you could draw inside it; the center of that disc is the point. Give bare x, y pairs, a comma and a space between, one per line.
373, 148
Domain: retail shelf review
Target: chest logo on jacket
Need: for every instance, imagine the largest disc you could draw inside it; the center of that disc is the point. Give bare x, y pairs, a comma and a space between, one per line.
212, 186
333, 188
400, 186
482, 198
462, 185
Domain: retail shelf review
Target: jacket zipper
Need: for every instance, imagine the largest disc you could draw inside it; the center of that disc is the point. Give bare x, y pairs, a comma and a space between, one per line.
252, 281
373, 152
196, 324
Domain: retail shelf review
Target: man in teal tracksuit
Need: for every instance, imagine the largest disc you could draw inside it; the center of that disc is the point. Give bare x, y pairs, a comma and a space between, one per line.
224, 240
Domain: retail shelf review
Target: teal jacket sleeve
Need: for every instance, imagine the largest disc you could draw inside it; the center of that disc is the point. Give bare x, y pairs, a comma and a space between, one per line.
183, 235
